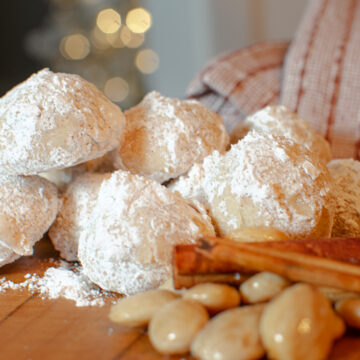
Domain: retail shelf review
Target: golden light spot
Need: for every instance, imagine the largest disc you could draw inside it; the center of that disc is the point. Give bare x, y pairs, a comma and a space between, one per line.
138, 20
131, 39
147, 61
75, 47
99, 39
304, 326
115, 40
116, 89
279, 338
108, 21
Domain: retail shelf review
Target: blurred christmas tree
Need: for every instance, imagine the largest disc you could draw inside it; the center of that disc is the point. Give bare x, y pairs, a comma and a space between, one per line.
101, 40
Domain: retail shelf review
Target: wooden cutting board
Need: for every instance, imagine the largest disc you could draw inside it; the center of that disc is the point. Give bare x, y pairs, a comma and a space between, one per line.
35, 328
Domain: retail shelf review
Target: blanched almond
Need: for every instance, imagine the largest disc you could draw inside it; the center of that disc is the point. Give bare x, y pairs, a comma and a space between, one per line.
262, 287
137, 310
215, 297
173, 327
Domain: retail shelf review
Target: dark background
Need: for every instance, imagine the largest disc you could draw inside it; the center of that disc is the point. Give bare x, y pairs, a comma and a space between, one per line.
17, 18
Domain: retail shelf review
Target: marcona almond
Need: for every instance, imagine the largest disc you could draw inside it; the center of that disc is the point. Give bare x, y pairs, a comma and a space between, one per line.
257, 233
349, 310
215, 297
231, 335
137, 310
262, 287
173, 328
300, 324
335, 295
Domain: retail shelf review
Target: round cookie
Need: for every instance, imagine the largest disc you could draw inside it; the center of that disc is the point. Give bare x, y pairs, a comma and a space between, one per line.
53, 121
265, 180
346, 177
164, 137
28, 206
76, 205
279, 120
63, 177
127, 245
7, 255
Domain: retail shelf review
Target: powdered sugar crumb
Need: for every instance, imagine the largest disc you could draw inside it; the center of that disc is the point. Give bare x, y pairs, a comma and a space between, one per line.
65, 281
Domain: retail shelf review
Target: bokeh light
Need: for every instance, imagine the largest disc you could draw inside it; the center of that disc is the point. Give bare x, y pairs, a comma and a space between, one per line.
147, 61
99, 39
115, 40
131, 39
138, 20
116, 89
75, 47
108, 21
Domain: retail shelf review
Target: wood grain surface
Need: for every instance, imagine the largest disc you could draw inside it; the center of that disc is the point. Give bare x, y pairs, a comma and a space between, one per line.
33, 328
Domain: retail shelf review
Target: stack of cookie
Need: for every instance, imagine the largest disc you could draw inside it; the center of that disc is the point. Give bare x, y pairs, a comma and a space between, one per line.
133, 185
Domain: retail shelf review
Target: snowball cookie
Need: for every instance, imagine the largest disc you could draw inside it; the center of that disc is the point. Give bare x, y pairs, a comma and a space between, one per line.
164, 137
346, 177
127, 245
53, 121
279, 120
63, 177
265, 180
28, 206
76, 203
7, 255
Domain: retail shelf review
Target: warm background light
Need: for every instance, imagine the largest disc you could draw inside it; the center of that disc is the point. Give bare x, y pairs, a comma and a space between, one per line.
116, 89
75, 47
147, 61
99, 39
108, 21
115, 40
138, 20
130, 39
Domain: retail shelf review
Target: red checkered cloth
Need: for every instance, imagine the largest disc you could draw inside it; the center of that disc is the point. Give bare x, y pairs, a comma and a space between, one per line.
318, 76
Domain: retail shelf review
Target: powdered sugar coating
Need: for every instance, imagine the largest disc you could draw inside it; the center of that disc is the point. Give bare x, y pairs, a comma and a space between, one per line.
190, 185
63, 177
128, 242
164, 137
28, 206
279, 120
64, 281
266, 180
7, 255
346, 177
76, 205
55, 120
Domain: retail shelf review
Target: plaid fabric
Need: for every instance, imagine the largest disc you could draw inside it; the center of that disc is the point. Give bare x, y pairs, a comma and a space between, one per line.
241, 82
320, 78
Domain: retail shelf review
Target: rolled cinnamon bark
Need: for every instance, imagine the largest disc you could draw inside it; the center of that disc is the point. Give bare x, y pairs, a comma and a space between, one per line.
326, 262
190, 267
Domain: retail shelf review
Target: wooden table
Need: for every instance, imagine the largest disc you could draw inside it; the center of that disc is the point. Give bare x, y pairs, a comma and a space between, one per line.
32, 328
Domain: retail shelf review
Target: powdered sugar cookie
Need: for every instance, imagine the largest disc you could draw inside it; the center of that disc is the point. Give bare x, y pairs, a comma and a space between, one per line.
76, 205
279, 120
164, 137
7, 255
63, 177
55, 120
265, 180
28, 206
134, 225
346, 177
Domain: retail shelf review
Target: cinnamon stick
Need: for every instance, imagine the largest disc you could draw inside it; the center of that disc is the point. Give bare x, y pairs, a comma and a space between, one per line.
189, 261
188, 281
190, 267
326, 262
